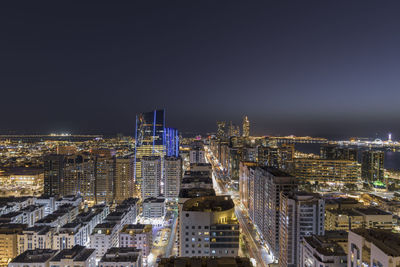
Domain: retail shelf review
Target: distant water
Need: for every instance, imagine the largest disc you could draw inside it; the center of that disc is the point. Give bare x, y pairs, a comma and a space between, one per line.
392, 159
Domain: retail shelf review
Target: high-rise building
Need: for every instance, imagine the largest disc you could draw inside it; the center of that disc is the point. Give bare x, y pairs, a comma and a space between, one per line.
330, 151
221, 129
265, 187
246, 127
372, 169
208, 227
53, 175
149, 137
301, 214
172, 142
151, 176
172, 176
104, 173
124, 180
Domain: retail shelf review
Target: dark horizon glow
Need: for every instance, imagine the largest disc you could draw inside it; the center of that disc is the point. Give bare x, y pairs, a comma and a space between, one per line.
304, 68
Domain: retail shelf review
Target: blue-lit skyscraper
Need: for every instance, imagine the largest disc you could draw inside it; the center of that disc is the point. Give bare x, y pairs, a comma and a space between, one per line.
149, 137
172, 142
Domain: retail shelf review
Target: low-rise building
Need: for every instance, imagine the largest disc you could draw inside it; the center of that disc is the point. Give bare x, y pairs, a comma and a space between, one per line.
31, 214
373, 247
205, 261
138, 236
153, 208
8, 241
33, 258
36, 237
77, 256
327, 250
116, 257
103, 237
69, 235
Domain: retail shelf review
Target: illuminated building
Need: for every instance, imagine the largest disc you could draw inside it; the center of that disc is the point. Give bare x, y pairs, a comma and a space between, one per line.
324, 250
172, 177
75, 256
103, 237
246, 127
80, 175
151, 176
208, 227
301, 214
373, 247
265, 187
53, 174
36, 237
244, 174
138, 236
275, 156
358, 218
25, 177
329, 151
153, 208
69, 235
233, 130
149, 137
124, 177
32, 214
372, 168
205, 261
197, 155
171, 142
105, 167
8, 242
117, 257
221, 129
33, 258
326, 171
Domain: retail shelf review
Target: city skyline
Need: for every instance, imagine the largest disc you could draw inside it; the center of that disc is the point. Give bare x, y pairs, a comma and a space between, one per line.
306, 69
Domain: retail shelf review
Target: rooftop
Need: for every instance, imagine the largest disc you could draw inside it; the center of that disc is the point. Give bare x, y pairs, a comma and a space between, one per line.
205, 262
196, 179
328, 244
77, 253
33, 256
154, 200
209, 204
121, 255
385, 240
137, 227
39, 229
371, 211
276, 172
196, 192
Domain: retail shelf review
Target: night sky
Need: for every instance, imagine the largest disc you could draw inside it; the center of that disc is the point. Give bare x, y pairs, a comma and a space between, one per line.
328, 68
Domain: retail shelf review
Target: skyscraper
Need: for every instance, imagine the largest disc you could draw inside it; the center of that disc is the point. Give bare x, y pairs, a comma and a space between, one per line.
301, 214
246, 127
173, 176
372, 169
104, 173
171, 142
152, 173
221, 129
53, 174
149, 137
123, 183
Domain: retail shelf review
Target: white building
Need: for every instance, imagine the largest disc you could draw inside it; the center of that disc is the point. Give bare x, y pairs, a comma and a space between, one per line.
69, 235
48, 203
33, 258
301, 214
103, 237
197, 155
117, 257
151, 176
153, 208
138, 236
71, 200
77, 256
208, 227
327, 250
32, 214
373, 247
36, 237
172, 177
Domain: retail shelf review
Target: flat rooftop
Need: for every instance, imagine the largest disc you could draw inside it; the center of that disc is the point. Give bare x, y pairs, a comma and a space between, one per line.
196, 192
371, 211
385, 240
121, 255
276, 172
205, 262
35, 256
77, 253
209, 204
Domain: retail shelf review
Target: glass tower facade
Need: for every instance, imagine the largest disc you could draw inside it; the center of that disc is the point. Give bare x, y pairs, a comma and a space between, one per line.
172, 142
149, 137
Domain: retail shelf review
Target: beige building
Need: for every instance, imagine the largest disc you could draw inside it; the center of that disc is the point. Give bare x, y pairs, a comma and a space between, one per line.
8, 242
139, 236
124, 177
373, 247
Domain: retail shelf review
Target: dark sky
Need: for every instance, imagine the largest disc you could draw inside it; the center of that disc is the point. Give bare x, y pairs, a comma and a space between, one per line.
301, 67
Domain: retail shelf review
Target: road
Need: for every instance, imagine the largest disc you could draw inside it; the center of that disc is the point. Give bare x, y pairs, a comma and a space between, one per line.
256, 251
